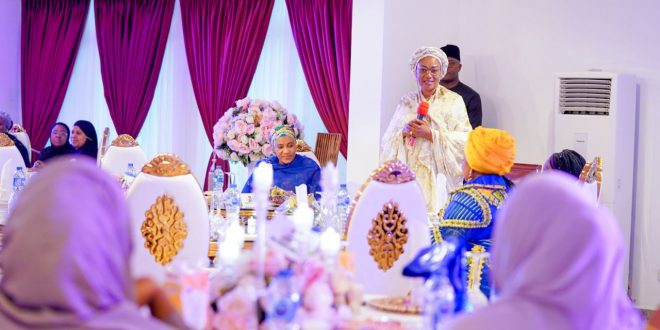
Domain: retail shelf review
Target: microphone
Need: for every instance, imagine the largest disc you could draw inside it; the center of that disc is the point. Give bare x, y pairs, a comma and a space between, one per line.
422, 110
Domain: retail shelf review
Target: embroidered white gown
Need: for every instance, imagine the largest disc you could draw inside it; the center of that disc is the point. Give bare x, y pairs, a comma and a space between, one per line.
449, 125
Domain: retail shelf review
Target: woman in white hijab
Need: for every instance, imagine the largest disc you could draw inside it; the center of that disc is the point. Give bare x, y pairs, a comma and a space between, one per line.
439, 137
65, 256
557, 262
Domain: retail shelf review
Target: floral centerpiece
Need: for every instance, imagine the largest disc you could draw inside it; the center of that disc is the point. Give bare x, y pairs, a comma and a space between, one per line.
242, 134
308, 291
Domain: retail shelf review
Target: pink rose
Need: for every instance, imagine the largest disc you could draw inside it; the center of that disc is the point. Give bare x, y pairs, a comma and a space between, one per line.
237, 310
267, 149
249, 129
291, 119
243, 149
276, 105
243, 102
318, 298
233, 145
240, 127
270, 115
275, 262
254, 146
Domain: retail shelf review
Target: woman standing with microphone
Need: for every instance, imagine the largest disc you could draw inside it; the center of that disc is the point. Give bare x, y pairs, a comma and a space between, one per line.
429, 143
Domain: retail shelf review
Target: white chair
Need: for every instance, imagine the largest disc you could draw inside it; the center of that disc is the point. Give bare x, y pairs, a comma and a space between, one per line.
169, 219
10, 158
123, 150
302, 148
387, 226
19, 132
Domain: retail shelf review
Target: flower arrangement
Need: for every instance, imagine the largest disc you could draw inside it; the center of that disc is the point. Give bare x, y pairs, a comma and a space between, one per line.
242, 134
318, 295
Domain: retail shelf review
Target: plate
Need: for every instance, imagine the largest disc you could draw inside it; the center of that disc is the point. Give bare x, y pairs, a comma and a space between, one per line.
401, 305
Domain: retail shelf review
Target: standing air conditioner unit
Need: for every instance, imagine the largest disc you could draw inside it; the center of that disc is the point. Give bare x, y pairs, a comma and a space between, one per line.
595, 115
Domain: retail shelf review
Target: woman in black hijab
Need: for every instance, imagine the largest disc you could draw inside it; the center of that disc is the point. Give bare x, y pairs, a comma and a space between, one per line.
59, 143
84, 140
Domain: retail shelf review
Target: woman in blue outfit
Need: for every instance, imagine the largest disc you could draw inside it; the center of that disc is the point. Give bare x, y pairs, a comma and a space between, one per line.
289, 168
471, 211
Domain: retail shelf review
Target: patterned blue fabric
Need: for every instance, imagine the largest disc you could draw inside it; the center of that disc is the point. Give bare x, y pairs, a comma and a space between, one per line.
470, 214
288, 176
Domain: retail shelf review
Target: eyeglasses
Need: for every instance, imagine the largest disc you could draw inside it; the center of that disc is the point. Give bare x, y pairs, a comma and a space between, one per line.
422, 71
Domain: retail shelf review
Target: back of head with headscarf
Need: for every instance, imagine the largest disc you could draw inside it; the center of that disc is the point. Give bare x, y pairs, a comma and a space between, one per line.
490, 150
91, 146
557, 263
66, 251
568, 161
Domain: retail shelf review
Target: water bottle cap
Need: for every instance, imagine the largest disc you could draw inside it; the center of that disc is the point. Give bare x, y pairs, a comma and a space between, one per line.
130, 164
19, 168
287, 272
343, 186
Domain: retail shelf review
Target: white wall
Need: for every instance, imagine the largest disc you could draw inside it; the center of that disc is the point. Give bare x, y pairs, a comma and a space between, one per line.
510, 53
10, 71
365, 98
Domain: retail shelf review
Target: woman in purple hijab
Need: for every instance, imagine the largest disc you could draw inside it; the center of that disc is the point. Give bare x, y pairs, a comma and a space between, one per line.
65, 256
557, 263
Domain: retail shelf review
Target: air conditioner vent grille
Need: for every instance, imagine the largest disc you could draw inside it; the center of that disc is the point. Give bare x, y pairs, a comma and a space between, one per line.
585, 96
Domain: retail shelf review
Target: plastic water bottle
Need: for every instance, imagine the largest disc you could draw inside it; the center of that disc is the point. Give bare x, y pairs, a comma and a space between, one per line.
218, 179
281, 301
232, 202
216, 182
439, 301
17, 185
343, 205
19, 180
129, 175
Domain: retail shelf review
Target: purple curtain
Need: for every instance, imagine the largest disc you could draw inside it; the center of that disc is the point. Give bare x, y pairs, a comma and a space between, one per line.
50, 35
322, 31
223, 44
131, 38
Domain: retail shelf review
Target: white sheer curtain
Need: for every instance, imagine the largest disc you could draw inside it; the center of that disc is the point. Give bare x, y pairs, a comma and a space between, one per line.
280, 77
173, 123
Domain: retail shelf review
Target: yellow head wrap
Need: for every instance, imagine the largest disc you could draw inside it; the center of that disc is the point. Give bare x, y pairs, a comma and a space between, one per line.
490, 150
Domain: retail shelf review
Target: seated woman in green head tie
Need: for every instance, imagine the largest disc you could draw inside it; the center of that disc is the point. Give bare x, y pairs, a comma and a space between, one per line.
289, 168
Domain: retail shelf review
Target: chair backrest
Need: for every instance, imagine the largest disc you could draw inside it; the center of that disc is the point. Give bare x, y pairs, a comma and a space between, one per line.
327, 147
104, 143
21, 134
387, 226
520, 170
592, 177
169, 218
123, 150
10, 158
302, 148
